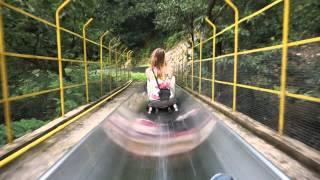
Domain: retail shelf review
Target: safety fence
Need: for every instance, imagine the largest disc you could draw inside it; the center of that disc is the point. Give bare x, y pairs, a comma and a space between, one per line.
277, 85
37, 87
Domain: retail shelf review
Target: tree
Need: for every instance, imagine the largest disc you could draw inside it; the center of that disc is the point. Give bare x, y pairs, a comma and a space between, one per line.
179, 15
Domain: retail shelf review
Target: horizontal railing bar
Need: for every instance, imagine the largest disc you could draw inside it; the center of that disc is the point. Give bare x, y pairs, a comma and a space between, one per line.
296, 43
224, 56
93, 62
36, 57
71, 60
29, 56
49, 23
27, 14
250, 16
32, 94
304, 41
203, 60
15, 98
206, 79
303, 97
271, 91
260, 11
206, 40
243, 20
201, 78
269, 48
40, 93
224, 82
259, 89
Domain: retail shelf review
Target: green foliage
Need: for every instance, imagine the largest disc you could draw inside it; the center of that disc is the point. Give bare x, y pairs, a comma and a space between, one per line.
137, 76
173, 39
177, 16
21, 128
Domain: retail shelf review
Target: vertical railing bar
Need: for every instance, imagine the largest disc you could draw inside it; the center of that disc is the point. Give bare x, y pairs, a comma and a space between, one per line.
180, 64
101, 60
116, 60
184, 69
192, 64
85, 57
200, 62
284, 63
182, 72
131, 65
214, 31
109, 63
128, 64
4, 84
235, 62
59, 52
124, 63
127, 72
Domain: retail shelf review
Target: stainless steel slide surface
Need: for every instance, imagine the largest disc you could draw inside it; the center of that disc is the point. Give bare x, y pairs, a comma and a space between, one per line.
191, 144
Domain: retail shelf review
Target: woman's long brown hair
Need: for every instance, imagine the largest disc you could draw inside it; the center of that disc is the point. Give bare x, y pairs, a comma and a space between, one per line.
158, 61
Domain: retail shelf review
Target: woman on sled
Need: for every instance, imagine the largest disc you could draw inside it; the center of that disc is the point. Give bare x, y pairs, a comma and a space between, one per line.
160, 83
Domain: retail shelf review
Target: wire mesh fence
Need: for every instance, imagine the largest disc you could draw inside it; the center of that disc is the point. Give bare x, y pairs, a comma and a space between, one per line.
271, 76
48, 70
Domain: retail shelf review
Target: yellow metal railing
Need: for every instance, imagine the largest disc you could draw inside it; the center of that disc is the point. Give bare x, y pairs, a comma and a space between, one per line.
282, 93
105, 65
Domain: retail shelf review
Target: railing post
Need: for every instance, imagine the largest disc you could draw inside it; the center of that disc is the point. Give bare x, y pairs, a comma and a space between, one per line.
284, 63
192, 63
4, 84
200, 62
59, 52
110, 56
116, 60
182, 71
85, 57
123, 56
101, 60
128, 64
235, 62
186, 68
130, 73
214, 30
110, 50
109, 62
